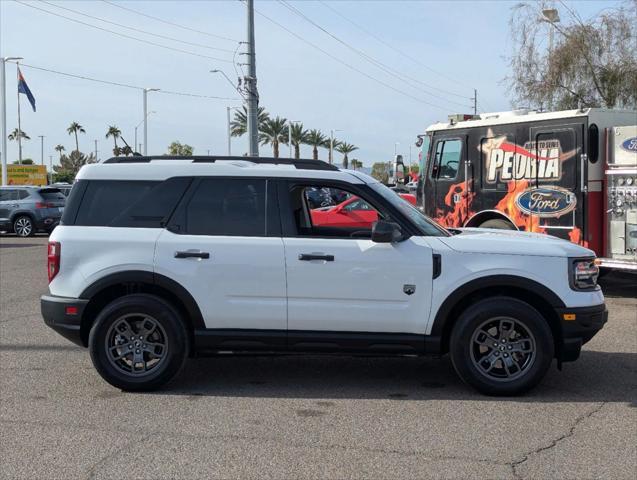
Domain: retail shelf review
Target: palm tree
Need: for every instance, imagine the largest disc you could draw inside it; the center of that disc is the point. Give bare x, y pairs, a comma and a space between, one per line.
274, 132
73, 129
18, 133
299, 137
114, 132
126, 150
316, 139
60, 148
239, 126
345, 148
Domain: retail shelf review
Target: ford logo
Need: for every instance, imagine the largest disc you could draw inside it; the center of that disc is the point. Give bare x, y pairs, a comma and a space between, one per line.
546, 202
630, 145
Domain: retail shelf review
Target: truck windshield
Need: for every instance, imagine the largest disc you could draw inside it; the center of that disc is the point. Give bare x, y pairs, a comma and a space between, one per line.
427, 226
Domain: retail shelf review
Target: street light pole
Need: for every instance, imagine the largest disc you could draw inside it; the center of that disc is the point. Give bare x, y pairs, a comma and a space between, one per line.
250, 82
146, 90
41, 149
50, 169
229, 131
3, 87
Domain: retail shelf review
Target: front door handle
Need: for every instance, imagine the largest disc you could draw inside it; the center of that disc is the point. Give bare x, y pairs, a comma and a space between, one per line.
315, 256
192, 254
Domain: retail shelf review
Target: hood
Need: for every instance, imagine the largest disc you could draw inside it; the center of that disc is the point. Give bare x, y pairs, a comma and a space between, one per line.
512, 242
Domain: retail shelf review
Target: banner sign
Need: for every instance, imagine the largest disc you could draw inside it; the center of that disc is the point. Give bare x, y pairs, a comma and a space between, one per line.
26, 175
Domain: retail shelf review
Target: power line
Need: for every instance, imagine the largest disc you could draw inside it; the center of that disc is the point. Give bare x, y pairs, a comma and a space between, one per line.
124, 35
165, 37
119, 84
386, 68
169, 23
347, 65
409, 57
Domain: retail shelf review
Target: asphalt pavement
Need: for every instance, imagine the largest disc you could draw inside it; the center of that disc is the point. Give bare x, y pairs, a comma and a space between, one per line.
305, 417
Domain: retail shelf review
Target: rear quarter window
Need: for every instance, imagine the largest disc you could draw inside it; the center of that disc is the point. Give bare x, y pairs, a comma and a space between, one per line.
52, 195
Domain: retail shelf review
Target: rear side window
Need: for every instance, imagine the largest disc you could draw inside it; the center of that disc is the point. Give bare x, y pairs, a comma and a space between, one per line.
51, 195
22, 194
231, 207
104, 200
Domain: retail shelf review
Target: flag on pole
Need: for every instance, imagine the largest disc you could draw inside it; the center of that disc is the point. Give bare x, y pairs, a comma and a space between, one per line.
24, 88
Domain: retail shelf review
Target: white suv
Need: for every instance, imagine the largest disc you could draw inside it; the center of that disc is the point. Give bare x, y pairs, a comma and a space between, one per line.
162, 258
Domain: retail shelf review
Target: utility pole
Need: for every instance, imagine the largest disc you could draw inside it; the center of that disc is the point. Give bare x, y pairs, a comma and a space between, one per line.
146, 90
475, 101
96, 150
251, 86
50, 169
41, 149
229, 131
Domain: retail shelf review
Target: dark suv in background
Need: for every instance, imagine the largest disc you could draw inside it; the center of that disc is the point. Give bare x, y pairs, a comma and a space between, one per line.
25, 210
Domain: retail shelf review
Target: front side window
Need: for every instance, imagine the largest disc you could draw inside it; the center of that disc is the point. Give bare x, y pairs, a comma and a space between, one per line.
321, 211
447, 159
7, 195
423, 156
230, 207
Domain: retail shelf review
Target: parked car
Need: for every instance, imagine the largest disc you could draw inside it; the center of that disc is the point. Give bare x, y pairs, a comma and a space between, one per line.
64, 187
353, 212
156, 261
25, 210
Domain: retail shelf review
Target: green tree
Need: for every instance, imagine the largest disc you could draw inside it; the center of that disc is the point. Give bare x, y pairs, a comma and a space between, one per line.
71, 164
25, 161
177, 148
74, 129
239, 125
345, 148
127, 150
380, 171
114, 133
18, 133
274, 132
316, 139
356, 164
299, 137
593, 62
59, 148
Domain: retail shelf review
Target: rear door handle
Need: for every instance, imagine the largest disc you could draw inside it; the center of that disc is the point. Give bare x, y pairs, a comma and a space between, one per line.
316, 256
192, 254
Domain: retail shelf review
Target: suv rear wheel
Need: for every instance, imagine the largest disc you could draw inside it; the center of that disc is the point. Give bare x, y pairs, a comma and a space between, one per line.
138, 342
23, 226
501, 346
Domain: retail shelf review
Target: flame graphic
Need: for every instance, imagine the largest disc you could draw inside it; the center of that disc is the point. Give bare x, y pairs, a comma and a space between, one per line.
461, 211
575, 236
529, 223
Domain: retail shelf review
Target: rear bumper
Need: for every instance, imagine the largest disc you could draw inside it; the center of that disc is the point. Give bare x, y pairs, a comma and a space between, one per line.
575, 333
55, 311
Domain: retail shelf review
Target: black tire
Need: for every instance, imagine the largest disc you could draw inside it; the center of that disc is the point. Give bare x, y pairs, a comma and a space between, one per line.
23, 226
465, 350
169, 330
498, 223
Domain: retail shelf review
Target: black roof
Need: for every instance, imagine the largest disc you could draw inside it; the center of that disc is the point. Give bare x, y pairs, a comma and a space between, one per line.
306, 164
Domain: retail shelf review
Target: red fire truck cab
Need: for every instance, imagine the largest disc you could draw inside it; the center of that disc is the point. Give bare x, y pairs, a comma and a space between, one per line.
549, 172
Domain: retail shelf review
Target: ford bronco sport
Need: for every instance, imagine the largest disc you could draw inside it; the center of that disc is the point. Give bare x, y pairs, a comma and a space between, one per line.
161, 258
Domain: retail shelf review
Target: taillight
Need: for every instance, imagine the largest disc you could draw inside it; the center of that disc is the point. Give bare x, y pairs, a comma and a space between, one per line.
53, 260
43, 205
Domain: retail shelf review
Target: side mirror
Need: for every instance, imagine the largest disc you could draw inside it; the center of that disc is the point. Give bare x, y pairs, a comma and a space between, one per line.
386, 232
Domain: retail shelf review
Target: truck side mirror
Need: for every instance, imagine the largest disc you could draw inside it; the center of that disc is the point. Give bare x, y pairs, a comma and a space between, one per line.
386, 232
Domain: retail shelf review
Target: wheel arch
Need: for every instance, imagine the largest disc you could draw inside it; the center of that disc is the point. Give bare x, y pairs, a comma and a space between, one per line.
524, 289
108, 288
479, 218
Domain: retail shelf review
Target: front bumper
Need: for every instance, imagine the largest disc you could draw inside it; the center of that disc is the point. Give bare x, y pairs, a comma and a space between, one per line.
583, 324
58, 314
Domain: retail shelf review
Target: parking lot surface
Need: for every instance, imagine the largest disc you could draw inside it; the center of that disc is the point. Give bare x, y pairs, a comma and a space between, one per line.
304, 417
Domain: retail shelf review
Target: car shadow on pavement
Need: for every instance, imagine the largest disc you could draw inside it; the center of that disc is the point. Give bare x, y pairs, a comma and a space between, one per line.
595, 377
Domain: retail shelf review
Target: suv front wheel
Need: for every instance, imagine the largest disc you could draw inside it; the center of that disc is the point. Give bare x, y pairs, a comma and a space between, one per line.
23, 226
501, 346
138, 342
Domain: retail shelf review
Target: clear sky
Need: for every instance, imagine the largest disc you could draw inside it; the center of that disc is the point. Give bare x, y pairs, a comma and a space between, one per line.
424, 59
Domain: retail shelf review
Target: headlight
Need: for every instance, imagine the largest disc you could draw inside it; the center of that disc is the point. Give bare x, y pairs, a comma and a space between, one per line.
584, 273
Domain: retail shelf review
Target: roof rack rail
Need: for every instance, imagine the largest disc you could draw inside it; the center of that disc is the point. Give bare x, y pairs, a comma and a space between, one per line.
306, 164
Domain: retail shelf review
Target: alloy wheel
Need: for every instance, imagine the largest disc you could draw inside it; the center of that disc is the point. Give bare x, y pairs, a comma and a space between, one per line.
503, 349
23, 226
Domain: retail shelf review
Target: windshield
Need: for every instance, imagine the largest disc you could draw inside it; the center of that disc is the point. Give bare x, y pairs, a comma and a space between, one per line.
425, 224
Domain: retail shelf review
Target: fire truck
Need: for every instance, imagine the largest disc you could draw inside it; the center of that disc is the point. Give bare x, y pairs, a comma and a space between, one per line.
571, 174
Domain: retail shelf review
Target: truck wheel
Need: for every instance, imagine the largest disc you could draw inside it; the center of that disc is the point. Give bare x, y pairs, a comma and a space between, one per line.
138, 342
501, 346
498, 223
23, 226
